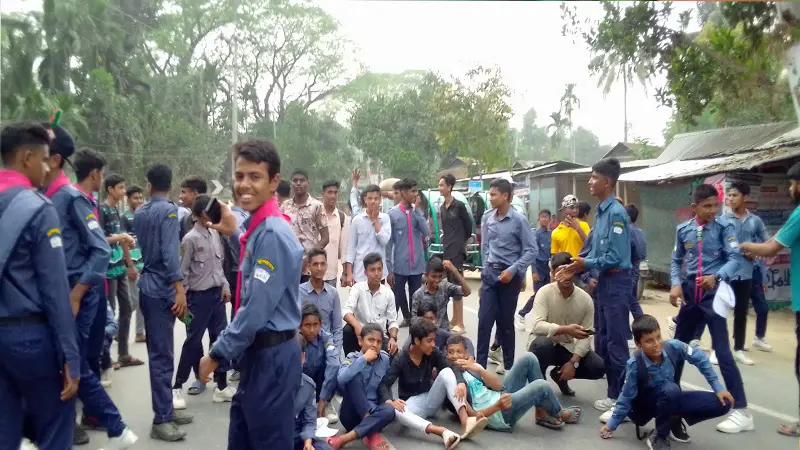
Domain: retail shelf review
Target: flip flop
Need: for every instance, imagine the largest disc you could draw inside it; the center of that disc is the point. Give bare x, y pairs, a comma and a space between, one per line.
130, 361
197, 388
575, 415
553, 423
474, 426
791, 430
375, 442
450, 439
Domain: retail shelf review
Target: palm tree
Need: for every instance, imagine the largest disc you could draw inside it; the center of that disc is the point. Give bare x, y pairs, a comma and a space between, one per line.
612, 69
569, 102
558, 127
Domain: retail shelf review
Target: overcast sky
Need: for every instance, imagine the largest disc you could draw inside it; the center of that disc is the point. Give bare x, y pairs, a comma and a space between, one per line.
522, 38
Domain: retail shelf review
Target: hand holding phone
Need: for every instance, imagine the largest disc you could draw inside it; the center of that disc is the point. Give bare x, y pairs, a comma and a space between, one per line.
213, 210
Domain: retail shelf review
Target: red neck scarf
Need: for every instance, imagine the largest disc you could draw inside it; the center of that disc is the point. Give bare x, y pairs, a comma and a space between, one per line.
10, 178
268, 209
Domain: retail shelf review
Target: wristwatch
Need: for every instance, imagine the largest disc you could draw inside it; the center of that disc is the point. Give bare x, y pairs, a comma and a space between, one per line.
576, 364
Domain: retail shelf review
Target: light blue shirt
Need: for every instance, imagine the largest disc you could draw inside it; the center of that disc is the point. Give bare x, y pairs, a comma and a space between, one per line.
233, 240
329, 306
611, 241
749, 229
398, 250
371, 374
322, 359
305, 412
638, 246
507, 240
720, 250
364, 240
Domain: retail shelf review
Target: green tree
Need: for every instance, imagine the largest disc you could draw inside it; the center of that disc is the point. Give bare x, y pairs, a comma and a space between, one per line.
534, 142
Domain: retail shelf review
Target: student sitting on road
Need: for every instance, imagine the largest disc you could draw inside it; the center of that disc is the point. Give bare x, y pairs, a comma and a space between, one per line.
305, 412
505, 402
438, 290
563, 319
651, 388
364, 414
321, 360
430, 312
422, 393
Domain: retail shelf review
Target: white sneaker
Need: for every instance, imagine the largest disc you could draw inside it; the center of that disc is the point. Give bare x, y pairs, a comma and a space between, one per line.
330, 414
762, 344
606, 416
496, 356
224, 395
738, 420
178, 402
740, 357
604, 404
123, 441
713, 358
671, 325
105, 377
694, 343
519, 322
501, 370
26, 444
631, 344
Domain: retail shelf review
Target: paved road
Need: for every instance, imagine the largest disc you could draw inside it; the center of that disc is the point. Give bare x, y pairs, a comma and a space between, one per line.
770, 385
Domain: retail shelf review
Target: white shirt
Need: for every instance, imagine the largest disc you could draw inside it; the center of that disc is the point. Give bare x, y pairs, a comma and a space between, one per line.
372, 308
363, 240
337, 244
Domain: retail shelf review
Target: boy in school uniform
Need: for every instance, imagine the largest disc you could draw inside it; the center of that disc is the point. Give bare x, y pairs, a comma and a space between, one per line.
305, 417
321, 361
652, 388
364, 412
541, 268
323, 295
438, 290
207, 292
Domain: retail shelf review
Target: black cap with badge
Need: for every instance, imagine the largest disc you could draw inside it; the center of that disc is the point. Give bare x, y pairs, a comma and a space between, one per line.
61, 142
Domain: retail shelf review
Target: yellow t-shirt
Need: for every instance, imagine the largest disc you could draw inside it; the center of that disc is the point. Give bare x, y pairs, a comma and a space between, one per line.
565, 239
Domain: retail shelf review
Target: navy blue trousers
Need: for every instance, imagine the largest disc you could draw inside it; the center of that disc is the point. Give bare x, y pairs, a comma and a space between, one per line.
401, 300
612, 326
319, 444
759, 301
693, 313
666, 401
636, 308
543, 270
355, 408
159, 324
30, 387
498, 301
209, 314
97, 405
260, 416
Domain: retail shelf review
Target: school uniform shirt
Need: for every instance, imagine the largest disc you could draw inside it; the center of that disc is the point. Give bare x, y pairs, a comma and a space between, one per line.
201, 260
405, 254
363, 240
456, 229
322, 357
482, 398
638, 246
507, 240
658, 374
327, 301
308, 220
544, 243
720, 251
111, 223
789, 237
611, 242
414, 379
369, 307
749, 229
305, 412
233, 246
157, 228
440, 298
566, 239
441, 342
371, 374
338, 232
551, 311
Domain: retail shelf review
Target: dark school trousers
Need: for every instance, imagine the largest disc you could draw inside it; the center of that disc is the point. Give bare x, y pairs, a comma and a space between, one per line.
612, 326
668, 400
498, 302
209, 314
542, 268
759, 301
741, 293
401, 300
355, 407
551, 353
159, 323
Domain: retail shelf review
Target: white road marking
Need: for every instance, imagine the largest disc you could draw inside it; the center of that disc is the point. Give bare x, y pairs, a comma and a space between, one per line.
757, 408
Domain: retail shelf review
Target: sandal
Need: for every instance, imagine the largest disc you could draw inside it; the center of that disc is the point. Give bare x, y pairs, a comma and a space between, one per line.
116, 365
197, 388
791, 430
553, 423
335, 442
474, 426
375, 442
574, 416
450, 439
130, 361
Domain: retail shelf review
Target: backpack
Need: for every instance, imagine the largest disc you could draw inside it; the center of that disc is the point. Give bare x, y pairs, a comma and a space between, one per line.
341, 220
642, 379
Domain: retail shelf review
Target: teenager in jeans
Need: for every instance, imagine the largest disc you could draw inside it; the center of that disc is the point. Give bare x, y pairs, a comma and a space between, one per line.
505, 402
422, 394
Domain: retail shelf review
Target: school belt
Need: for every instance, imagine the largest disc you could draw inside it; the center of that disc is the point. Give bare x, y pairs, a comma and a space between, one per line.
497, 266
266, 339
612, 271
22, 321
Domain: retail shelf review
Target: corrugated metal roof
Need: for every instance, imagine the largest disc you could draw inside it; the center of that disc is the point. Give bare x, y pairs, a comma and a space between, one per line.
488, 176
623, 164
724, 141
698, 167
548, 166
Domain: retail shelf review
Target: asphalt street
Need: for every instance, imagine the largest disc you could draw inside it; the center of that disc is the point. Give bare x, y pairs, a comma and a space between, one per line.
770, 386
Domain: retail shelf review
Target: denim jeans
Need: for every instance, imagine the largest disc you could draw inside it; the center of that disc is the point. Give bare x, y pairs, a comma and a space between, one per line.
528, 389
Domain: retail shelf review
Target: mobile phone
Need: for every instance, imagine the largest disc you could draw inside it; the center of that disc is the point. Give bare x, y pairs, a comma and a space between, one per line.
214, 210
589, 332
187, 319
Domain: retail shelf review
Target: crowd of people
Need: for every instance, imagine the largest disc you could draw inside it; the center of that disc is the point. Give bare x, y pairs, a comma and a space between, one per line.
76, 272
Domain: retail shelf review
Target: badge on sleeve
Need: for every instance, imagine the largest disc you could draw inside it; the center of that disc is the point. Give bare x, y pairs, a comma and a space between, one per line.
91, 222
261, 275
617, 230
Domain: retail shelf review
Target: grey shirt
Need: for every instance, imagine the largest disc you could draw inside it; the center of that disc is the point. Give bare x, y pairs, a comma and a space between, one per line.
508, 240
201, 260
405, 253
364, 240
441, 298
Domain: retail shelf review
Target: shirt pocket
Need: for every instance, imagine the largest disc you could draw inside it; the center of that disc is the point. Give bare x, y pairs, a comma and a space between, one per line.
201, 257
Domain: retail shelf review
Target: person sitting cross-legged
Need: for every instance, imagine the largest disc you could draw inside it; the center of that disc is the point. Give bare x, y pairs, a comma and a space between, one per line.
321, 361
563, 319
422, 393
430, 312
505, 402
652, 388
363, 413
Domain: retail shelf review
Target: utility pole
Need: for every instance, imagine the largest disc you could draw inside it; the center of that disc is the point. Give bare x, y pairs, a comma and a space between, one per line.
234, 106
